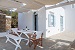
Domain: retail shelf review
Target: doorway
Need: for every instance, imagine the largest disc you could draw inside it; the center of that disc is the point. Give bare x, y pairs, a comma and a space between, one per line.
35, 21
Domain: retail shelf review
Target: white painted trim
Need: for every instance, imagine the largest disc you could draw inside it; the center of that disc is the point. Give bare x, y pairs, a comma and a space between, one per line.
62, 4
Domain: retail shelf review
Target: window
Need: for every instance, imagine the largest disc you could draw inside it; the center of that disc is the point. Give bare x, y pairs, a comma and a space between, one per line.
51, 19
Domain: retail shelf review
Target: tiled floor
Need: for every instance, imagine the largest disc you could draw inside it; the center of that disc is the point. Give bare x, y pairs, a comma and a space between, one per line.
51, 43
47, 45
66, 35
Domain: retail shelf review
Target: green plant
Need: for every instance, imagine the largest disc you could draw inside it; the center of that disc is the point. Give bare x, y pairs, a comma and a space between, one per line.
14, 19
14, 22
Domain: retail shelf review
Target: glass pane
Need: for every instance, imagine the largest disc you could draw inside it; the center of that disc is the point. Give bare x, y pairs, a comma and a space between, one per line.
51, 20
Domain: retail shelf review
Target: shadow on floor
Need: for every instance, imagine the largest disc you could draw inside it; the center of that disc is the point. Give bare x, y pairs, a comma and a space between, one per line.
48, 44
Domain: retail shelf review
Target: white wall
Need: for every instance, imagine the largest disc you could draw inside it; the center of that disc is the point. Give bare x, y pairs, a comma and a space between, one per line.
57, 13
69, 18
25, 19
30, 20
42, 20
21, 20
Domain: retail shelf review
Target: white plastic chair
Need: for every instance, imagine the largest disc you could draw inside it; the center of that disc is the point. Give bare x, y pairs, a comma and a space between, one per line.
17, 39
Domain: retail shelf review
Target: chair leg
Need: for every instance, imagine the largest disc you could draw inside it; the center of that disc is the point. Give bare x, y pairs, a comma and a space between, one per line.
35, 43
41, 42
18, 44
35, 46
30, 44
7, 40
16, 48
27, 42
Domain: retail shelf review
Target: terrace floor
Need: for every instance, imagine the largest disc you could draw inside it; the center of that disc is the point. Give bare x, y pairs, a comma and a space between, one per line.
56, 42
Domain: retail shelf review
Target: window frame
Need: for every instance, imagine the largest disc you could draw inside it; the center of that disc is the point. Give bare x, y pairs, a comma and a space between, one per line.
51, 20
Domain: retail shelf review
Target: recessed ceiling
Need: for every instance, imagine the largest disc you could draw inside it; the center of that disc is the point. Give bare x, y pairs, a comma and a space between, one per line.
30, 4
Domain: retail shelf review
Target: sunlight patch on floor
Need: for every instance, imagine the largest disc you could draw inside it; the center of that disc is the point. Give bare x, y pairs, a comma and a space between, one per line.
40, 46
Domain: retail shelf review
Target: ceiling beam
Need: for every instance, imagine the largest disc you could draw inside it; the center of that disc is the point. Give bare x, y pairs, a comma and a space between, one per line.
61, 4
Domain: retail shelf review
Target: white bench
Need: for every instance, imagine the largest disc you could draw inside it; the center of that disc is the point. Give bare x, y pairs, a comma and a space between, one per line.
3, 34
17, 39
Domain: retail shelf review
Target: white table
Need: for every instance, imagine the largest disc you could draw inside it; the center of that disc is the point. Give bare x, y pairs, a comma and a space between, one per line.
27, 33
17, 39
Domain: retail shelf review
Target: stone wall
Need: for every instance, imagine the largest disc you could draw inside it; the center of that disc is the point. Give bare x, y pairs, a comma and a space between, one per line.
5, 23
8, 23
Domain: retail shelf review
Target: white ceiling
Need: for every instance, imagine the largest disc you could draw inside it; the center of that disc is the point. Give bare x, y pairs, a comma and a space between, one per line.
30, 4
